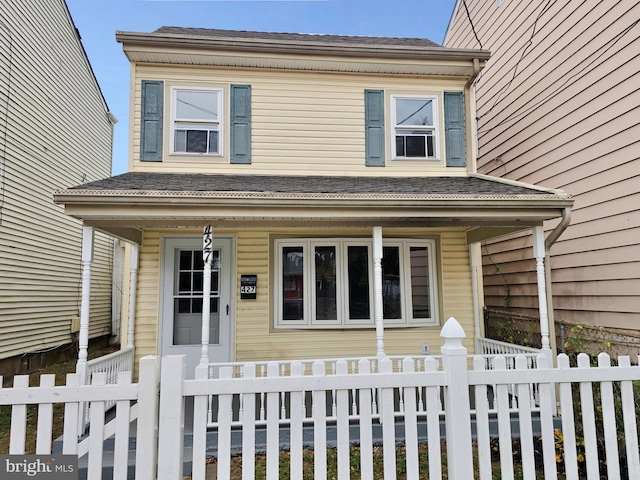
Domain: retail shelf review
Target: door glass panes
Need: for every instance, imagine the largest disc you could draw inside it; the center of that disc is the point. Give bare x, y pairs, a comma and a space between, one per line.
391, 283
293, 283
358, 274
325, 272
420, 300
188, 298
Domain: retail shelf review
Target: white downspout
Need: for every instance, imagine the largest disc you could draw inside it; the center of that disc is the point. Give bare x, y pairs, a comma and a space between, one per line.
377, 291
551, 239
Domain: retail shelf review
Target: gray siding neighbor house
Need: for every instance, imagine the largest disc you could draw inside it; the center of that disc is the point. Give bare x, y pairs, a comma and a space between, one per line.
55, 131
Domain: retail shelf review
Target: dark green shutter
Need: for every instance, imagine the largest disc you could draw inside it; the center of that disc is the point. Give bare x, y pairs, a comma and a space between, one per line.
240, 123
374, 127
151, 128
454, 129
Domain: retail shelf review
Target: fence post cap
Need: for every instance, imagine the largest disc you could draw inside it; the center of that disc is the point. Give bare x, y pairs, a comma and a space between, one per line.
452, 329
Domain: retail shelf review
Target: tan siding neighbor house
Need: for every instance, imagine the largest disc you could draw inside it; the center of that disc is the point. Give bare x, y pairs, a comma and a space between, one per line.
55, 132
328, 183
558, 104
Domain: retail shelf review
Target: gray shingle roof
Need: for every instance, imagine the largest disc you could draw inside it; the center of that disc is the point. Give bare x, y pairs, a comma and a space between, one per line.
300, 38
326, 185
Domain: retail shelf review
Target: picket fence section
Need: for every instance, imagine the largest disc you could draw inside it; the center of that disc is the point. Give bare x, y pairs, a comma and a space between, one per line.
336, 407
130, 402
505, 391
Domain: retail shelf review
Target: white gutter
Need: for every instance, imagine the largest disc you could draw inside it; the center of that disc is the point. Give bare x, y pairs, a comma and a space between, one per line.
548, 243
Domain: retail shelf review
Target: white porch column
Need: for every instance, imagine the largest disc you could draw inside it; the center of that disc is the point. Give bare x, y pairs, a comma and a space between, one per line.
83, 340
377, 290
133, 279
539, 254
207, 257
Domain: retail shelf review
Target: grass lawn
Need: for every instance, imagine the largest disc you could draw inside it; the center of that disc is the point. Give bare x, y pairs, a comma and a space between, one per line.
354, 461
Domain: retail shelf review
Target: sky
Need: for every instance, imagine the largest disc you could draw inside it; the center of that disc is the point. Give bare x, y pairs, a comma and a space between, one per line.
98, 20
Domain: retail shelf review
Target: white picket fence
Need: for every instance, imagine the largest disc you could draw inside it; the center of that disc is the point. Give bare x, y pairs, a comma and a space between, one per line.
132, 402
336, 407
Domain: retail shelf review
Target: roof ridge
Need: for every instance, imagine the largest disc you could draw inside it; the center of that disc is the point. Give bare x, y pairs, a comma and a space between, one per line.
295, 37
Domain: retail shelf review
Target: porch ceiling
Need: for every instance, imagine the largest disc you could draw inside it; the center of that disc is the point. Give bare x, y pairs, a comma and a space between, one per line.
125, 204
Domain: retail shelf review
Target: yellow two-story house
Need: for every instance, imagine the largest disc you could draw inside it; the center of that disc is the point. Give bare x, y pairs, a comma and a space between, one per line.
338, 177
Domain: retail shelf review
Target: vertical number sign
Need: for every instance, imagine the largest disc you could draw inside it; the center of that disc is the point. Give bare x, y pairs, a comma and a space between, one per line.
207, 257
207, 245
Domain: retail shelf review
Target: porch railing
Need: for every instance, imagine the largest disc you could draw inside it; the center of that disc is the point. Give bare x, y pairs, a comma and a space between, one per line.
488, 346
352, 366
110, 365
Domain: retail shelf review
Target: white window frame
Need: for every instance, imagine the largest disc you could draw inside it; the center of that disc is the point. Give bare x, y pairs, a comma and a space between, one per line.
366, 322
433, 293
431, 128
339, 283
403, 320
342, 304
175, 120
279, 287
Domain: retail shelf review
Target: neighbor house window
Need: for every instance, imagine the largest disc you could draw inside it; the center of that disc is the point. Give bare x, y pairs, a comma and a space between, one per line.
328, 283
414, 127
196, 120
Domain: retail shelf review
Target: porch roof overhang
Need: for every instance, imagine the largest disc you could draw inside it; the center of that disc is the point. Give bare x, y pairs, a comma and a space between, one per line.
486, 206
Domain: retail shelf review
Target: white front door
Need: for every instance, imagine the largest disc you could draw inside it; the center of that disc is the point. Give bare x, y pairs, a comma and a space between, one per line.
181, 317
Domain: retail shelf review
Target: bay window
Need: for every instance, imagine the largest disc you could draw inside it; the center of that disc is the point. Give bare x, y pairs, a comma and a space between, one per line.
328, 283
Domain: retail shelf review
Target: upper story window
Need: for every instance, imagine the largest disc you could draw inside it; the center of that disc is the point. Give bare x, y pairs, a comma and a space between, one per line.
328, 283
414, 127
196, 122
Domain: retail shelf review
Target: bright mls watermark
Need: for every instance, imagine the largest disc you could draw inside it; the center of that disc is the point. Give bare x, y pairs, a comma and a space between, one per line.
49, 467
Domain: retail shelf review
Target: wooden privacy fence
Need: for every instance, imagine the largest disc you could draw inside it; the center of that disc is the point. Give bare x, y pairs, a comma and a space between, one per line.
449, 420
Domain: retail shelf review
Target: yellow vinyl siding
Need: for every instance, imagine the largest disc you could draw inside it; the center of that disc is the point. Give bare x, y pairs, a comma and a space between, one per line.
254, 335
148, 296
302, 122
54, 133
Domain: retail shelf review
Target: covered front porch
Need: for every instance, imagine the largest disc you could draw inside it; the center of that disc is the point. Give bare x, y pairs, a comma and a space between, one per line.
237, 229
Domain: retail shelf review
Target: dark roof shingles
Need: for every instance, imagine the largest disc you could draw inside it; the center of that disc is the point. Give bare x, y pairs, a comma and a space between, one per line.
177, 182
344, 40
